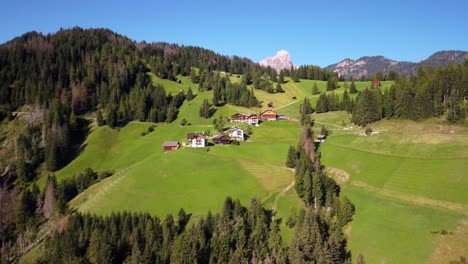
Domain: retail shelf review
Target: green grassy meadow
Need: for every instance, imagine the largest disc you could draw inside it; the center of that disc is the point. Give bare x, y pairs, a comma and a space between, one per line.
406, 182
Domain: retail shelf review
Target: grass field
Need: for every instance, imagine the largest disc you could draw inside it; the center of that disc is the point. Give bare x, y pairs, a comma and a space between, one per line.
407, 182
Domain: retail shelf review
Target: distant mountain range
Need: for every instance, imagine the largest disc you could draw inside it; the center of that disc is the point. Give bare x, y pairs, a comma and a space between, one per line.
369, 65
282, 60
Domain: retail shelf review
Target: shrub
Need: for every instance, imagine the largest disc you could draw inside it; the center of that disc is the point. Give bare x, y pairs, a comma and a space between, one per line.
368, 131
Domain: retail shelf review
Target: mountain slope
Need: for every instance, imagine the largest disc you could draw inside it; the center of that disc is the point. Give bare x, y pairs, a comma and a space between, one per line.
369, 65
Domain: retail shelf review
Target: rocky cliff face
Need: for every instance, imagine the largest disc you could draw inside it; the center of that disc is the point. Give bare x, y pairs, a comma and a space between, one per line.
282, 60
371, 64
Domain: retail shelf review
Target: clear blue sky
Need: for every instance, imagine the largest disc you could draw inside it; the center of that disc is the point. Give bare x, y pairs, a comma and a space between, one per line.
314, 32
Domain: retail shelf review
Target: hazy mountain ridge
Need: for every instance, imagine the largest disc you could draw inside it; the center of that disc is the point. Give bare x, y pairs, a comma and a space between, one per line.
369, 65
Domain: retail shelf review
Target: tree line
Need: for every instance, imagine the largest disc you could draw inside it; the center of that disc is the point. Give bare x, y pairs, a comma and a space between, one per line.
432, 92
24, 210
236, 234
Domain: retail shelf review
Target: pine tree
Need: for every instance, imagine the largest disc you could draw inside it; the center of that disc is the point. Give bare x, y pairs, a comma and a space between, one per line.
72, 120
112, 117
322, 104
332, 83
99, 118
315, 89
352, 88
275, 246
281, 77
189, 94
193, 76
205, 109
279, 89
346, 102
292, 157
317, 190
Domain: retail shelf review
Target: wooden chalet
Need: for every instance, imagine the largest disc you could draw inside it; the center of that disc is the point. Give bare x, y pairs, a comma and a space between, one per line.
251, 119
236, 133
222, 139
269, 115
197, 140
169, 146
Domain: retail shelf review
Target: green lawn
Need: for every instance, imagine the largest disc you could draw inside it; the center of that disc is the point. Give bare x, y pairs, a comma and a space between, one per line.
386, 170
385, 230
435, 171
406, 181
198, 180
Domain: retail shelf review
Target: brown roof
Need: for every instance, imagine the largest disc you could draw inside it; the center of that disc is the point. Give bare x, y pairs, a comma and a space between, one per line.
170, 144
195, 135
269, 112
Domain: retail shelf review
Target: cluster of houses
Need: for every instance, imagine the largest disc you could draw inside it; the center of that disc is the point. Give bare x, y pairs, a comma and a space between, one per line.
196, 140
200, 140
253, 119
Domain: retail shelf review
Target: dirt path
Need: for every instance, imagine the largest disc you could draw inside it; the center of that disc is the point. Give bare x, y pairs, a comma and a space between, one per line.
333, 125
281, 194
414, 199
285, 105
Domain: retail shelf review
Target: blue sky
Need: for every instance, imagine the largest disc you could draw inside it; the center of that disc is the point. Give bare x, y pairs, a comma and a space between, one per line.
314, 32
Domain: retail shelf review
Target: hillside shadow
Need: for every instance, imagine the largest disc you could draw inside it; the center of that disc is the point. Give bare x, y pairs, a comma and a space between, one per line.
78, 136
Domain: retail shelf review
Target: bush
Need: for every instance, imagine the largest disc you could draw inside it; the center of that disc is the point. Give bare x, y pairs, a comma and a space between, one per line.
104, 174
143, 133
151, 129
368, 131
291, 221
235, 142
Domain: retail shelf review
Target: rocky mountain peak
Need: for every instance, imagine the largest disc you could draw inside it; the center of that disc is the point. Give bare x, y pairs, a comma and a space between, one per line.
282, 60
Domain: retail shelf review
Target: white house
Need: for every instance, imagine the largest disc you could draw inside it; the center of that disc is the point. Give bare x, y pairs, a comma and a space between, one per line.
236, 133
197, 140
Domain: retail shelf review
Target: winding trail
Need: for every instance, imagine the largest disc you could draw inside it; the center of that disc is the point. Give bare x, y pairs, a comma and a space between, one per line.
285, 105
281, 194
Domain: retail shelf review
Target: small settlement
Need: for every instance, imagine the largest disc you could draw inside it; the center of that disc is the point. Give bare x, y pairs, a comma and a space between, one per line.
200, 140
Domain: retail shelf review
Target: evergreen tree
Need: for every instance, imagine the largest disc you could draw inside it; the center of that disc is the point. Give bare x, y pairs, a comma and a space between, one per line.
332, 83
279, 89
73, 123
315, 89
205, 109
352, 88
99, 118
346, 102
193, 76
322, 104
189, 94
112, 117
292, 157
281, 77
